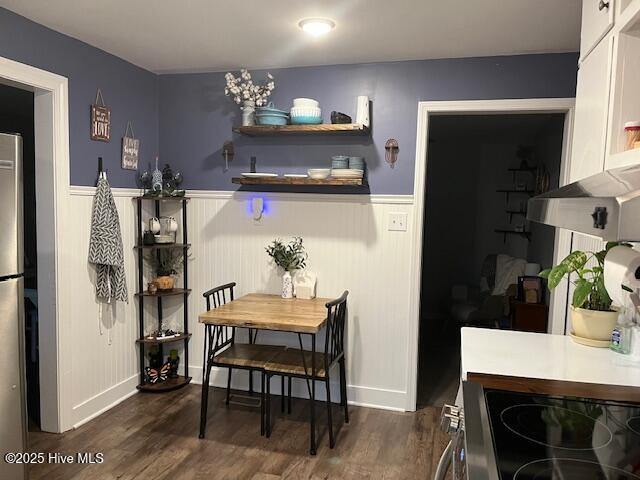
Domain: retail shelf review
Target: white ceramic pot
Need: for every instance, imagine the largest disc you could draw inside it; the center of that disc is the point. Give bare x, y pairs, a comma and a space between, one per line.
154, 225
287, 285
248, 113
593, 324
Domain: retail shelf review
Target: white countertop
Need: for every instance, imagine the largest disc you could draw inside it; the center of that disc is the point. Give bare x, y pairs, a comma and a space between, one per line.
538, 355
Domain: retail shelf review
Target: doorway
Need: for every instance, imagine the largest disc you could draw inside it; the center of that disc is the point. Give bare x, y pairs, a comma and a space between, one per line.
477, 243
48, 93
427, 111
18, 117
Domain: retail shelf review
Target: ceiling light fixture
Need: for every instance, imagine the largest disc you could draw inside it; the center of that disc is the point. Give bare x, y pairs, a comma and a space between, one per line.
317, 26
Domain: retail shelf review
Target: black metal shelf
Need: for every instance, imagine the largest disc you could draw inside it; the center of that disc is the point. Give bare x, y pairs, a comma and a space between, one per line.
526, 234
159, 246
170, 383
511, 213
155, 341
164, 293
162, 198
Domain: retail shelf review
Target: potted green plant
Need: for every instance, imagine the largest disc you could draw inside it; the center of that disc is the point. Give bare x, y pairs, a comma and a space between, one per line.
166, 263
592, 315
290, 257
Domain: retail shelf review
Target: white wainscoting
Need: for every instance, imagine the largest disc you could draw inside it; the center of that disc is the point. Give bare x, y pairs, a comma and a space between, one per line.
349, 247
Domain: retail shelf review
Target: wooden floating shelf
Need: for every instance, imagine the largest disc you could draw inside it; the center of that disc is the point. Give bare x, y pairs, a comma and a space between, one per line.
322, 129
353, 182
165, 293
166, 386
160, 246
156, 341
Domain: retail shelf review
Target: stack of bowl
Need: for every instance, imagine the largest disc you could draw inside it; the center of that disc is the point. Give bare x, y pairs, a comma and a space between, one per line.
339, 162
356, 163
305, 111
270, 115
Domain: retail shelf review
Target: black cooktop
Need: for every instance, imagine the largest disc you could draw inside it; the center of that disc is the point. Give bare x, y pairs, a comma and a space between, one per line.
543, 437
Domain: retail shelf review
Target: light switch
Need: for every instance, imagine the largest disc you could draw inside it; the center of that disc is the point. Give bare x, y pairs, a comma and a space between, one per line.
397, 222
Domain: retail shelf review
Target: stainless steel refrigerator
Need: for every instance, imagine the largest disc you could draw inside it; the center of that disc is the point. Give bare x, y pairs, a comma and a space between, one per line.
13, 424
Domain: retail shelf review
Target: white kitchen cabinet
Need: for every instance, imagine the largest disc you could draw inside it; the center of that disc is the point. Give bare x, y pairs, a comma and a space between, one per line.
591, 112
597, 20
625, 94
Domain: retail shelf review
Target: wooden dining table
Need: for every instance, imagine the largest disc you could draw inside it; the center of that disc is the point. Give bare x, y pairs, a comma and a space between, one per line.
259, 311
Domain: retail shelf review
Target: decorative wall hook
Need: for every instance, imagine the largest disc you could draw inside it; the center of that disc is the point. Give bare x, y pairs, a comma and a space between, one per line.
391, 152
228, 153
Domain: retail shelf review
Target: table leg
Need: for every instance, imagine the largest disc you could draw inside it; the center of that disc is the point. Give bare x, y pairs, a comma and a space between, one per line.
268, 407
282, 394
262, 410
312, 449
206, 370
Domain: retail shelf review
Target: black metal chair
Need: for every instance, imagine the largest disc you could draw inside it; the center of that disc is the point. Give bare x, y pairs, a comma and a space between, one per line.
220, 350
300, 363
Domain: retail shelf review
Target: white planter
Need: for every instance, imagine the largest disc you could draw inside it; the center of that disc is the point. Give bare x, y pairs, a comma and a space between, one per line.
287, 285
248, 113
593, 324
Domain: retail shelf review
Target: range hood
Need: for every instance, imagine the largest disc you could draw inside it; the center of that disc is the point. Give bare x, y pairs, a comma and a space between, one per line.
605, 205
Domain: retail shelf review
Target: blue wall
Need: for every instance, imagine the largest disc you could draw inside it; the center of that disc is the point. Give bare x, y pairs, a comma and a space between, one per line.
187, 118
196, 118
131, 93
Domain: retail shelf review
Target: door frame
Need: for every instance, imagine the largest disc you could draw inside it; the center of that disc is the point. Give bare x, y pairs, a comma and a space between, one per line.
51, 125
562, 241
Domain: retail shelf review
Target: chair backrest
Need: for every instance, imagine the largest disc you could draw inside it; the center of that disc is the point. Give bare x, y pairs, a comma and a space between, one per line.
334, 340
216, 297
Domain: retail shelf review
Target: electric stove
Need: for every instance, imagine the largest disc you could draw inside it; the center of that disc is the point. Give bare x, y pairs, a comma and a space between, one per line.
545, 437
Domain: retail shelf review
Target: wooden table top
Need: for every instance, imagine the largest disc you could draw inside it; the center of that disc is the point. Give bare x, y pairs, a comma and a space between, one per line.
270, 312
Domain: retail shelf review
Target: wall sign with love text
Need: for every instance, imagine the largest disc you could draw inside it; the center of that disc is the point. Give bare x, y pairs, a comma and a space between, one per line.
100, 120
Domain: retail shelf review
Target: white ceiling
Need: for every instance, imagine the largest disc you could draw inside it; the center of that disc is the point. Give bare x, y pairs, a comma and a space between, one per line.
215, 35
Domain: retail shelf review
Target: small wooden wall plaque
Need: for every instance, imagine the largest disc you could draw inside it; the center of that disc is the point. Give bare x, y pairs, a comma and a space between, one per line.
100, 120
130, 149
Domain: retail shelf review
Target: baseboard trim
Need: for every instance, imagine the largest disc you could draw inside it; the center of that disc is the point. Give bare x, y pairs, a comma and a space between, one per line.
76, 190
361, 396
100, 403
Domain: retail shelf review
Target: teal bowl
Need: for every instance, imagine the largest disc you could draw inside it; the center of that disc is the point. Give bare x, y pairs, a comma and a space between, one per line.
271, 119
305, 120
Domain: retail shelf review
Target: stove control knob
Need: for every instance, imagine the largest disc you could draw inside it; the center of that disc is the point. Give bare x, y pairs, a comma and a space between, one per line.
450, 419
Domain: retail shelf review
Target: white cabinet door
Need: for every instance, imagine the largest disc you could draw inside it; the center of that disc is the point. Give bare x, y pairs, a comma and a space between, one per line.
597, 20
591, 112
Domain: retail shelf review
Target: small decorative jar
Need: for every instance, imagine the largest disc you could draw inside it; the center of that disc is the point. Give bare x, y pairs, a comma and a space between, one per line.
152, 288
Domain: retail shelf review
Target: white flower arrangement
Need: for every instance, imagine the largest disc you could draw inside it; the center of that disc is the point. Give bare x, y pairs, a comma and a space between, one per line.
242, 88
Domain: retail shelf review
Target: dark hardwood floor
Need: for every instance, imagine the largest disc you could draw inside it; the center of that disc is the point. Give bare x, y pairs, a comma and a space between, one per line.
439, 366
155, 436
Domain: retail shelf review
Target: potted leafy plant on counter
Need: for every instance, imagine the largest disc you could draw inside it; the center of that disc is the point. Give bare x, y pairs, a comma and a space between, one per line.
290, 257
166, 263
592, 316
